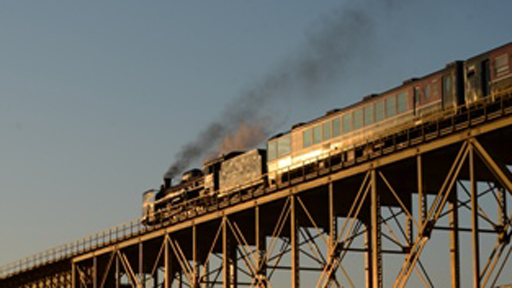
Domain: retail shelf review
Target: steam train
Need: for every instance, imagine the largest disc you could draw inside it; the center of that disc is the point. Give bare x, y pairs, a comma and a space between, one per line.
450, 90
219, 178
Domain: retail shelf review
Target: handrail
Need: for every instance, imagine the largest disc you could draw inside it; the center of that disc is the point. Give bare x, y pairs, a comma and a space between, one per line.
136, 227
74, 248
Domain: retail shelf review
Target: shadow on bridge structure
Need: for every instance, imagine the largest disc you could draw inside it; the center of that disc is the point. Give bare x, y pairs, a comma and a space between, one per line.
427, 206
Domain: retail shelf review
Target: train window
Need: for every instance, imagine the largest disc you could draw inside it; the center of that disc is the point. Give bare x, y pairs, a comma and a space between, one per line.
368, 115
336, 127
272, 150
347, 123
358, 119
306, 138
402, 102
327, 130
379, 111
501, 65
390, 106
427, 91
435, 90
317, 134
284, 146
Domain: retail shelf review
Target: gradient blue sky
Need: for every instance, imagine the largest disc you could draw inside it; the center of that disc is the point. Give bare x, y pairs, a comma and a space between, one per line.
97, 97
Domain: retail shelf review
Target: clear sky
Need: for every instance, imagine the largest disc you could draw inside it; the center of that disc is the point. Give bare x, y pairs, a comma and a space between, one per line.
98, 97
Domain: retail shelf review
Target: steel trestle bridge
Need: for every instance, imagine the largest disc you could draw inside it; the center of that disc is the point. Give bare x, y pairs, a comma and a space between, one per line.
364, 222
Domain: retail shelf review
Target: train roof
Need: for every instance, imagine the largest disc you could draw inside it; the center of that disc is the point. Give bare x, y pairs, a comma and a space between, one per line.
490, 51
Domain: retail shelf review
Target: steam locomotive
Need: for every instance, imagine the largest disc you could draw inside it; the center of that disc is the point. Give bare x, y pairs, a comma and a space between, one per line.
418, 100
234, 171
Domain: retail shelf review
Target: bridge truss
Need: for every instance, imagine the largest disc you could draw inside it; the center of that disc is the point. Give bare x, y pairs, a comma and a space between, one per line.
426, 207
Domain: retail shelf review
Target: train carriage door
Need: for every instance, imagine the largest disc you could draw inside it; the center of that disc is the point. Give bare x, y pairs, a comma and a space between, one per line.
478, 76
485, 77
471, 93
448, 101
416, 101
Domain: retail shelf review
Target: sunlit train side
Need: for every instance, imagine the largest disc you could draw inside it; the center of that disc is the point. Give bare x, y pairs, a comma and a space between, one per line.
488, 73
417, 101
340, 130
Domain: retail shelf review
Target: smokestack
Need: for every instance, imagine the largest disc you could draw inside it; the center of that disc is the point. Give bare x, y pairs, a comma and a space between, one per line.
167, 182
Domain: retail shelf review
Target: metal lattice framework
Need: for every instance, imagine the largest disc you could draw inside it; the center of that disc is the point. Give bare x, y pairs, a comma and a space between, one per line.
374, 221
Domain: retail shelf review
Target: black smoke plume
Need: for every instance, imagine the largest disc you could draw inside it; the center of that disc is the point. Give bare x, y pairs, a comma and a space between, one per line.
341, 36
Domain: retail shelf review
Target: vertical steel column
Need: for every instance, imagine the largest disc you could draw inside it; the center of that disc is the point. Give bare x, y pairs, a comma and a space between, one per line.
206, 277
142, 274
409, 233
474, 219
454, 237
95, 271
118, 271
376, 234
332, 221
332, 229
225, 264
155, 279
73, 275
260, 249
195, 278
368, 256
502, 211
229, 268
233, 268
168, 273
294, 244
422, 205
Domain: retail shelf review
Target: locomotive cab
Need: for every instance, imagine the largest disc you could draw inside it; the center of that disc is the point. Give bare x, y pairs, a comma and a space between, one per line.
211, 176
